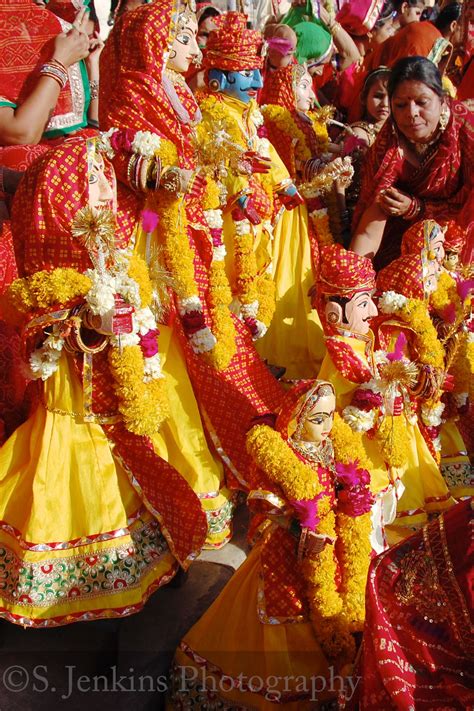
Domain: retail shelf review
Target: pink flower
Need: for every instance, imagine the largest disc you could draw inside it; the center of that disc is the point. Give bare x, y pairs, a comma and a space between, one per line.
397, 353
464, 288
306, 511
193, 321
449, 313
149, 343
149, 220
354, 498
366, 399
251, 324
216, 234
122, 140
351, 144
347, 474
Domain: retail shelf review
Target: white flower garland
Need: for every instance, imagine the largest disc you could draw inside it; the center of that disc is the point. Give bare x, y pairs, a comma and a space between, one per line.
44, 361
391, 301
431, 415
359, 420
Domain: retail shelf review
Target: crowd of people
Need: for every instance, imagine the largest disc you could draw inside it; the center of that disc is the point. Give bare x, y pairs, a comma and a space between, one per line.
236, 270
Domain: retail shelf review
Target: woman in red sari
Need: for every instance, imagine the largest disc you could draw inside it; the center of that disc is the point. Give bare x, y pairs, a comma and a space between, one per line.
145, 97
421, 165
418, 643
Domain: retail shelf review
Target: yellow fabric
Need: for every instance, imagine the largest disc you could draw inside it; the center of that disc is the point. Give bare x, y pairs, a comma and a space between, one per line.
59, 482
181, 440
295, 338
231, 636
425, 489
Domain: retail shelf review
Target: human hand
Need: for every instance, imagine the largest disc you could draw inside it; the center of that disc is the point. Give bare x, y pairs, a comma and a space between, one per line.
96, 45
71, 47
81, 20
393, 202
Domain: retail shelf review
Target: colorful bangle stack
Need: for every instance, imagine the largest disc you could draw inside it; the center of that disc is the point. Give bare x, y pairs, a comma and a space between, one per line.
94, 89
414, 210
55, 70
141, 172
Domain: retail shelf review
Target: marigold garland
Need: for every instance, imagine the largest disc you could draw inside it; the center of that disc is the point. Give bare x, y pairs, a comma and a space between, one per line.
138, 271
144, 406
220, 296
392, 439
347, 444
322, 228
285, 123
430, 351
43, 290
333, 613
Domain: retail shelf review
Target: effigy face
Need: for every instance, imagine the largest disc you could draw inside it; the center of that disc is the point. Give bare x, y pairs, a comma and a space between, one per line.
184, 50
354, 314
242, 85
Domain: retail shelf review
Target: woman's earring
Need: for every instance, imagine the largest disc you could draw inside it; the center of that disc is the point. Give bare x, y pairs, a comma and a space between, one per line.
214, 85
444, 118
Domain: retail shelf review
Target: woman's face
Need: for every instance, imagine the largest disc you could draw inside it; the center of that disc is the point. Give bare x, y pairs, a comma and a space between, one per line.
384, 31
305, 96
184, 49
101, 193
416, 110
377, 104
319, 421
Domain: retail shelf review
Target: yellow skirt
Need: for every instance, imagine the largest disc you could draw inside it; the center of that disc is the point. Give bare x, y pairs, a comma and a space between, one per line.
230, 651
182, 443
295, 337
76, 542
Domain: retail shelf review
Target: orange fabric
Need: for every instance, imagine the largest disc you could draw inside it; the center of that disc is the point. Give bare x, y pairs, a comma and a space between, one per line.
232, 46
416, 39
404, 275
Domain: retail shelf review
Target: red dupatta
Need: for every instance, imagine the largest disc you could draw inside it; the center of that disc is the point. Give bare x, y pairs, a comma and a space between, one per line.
444, 183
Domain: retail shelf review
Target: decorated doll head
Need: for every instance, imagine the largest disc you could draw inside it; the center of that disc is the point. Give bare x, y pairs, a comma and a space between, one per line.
59, 186
290, 87
453, 245
184, 49
345, 287
233, 58
313, 414
427, 236
413, 275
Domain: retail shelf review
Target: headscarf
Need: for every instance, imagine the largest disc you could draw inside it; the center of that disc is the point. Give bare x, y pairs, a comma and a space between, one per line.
280, 87
358, 17
314, 39
405, 275
417, 237
344, 273
454, 238
232, 46
298, 403
51, 193
133, 90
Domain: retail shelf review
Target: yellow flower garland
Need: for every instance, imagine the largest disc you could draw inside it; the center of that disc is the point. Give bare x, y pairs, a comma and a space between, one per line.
322, 228
334, 614
446, 294
43, 290
285, 123
415, 314
144, 406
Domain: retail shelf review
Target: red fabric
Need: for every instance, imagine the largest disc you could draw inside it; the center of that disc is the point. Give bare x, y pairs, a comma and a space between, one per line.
466, 87
445, 183
347, 362
279, 88
232, 46
27, 35
416, 653
56, 186
404, 275
133, 97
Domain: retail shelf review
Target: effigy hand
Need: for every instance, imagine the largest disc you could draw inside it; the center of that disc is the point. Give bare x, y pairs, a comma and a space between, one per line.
290, 197
245, 210
252, 162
